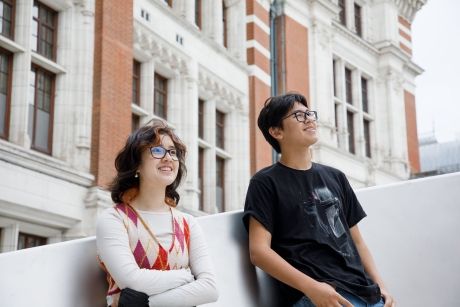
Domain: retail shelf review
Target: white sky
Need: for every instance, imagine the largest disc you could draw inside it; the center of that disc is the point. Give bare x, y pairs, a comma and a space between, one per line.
436, 48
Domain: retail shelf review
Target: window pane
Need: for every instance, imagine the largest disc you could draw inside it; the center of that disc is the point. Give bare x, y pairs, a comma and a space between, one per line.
342, 13
348, 86
41, 99
42, 130
2, 114
358, 26
200, 118
5, 18
43, 32
364, 95
135, 122
351, 132
220, 193
201, 177
367, 138
136, 82
160, 96
26, 240
198, 13
220, 124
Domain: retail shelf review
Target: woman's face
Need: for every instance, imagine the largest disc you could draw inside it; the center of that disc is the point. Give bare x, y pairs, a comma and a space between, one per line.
159, 164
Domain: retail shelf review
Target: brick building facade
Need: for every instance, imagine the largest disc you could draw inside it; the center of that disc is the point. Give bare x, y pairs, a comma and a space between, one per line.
77, 76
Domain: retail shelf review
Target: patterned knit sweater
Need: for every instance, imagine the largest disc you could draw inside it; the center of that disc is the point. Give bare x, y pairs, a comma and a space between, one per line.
162, 254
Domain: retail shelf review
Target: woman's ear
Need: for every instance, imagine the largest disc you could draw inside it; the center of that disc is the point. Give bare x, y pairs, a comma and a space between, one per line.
276, 132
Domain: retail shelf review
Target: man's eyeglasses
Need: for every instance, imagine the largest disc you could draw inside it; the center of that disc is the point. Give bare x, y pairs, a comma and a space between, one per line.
159, 152
302, 116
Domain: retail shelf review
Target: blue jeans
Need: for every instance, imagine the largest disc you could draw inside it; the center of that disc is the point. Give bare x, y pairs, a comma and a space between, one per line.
353, 299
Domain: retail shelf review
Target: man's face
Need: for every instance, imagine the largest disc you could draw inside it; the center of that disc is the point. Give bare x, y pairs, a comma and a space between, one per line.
299, 128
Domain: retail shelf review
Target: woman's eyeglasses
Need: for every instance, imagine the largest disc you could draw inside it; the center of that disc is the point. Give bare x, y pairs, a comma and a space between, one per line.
159, 152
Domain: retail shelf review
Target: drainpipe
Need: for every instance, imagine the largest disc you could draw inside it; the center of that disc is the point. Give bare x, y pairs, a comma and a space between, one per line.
277, 28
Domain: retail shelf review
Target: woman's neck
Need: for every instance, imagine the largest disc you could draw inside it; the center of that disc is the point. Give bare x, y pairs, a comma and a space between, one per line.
150, 199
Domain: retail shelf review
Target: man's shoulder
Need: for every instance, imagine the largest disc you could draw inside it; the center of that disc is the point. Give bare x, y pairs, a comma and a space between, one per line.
266, 173
328, 169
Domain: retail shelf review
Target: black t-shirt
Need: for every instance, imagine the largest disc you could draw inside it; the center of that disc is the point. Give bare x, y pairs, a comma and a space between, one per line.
309, 214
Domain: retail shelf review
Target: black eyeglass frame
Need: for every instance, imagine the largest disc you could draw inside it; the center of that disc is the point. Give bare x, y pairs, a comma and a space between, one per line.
173, 153
304, 117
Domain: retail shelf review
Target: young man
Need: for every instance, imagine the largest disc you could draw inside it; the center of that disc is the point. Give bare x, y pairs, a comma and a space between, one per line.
302, 218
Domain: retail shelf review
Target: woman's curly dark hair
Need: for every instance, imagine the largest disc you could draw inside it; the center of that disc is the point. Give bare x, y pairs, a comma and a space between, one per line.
125, 186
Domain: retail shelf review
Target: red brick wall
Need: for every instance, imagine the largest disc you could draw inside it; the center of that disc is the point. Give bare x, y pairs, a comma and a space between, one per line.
261, 151
296, 53
113, 56
412, 137
293, 69
259, 91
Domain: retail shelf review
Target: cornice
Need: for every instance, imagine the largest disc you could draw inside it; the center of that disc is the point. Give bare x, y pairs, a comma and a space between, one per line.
408, 8
35, 161
218, 88
153, 44
355, 38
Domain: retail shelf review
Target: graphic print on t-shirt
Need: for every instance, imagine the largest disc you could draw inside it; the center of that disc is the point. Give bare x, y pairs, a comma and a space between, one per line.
324, 219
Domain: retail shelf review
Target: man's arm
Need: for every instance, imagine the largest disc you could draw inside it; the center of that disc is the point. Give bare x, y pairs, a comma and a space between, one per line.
369, 264
264, 257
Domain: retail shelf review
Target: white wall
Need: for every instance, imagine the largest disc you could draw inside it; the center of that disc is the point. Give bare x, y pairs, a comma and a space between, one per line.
413, 232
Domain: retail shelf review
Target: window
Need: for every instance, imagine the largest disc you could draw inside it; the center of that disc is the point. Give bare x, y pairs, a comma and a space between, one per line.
7, 18
336, 116
364, 97
367, 139
334, 77
351, 132
348, 86
358, 20
220, 188
160, 96
224, 26
198, 13
201, 177
201, 118
5, 90
44, 30
220, 124
136, 82
135, 122
342, 13
27, 240
40, 126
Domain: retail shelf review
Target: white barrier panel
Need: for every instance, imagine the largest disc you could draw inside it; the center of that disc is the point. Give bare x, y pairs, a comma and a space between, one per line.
412, 229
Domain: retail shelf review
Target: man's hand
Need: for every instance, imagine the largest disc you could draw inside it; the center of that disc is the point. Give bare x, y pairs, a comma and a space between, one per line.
389, 300
324, 295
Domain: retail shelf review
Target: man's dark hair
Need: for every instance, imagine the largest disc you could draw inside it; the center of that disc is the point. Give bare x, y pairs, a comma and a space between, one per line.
273, 111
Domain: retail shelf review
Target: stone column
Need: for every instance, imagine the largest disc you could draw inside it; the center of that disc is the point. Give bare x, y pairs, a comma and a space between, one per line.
212, 20
74, 89
209, 182
236, 27
237, 167
9, 238
146, 89
19, 116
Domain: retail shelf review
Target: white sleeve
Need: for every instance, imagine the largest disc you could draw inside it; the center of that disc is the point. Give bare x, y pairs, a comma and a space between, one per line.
200, 291
113, 248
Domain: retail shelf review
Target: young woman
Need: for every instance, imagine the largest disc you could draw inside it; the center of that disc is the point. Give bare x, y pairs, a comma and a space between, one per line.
154, 255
